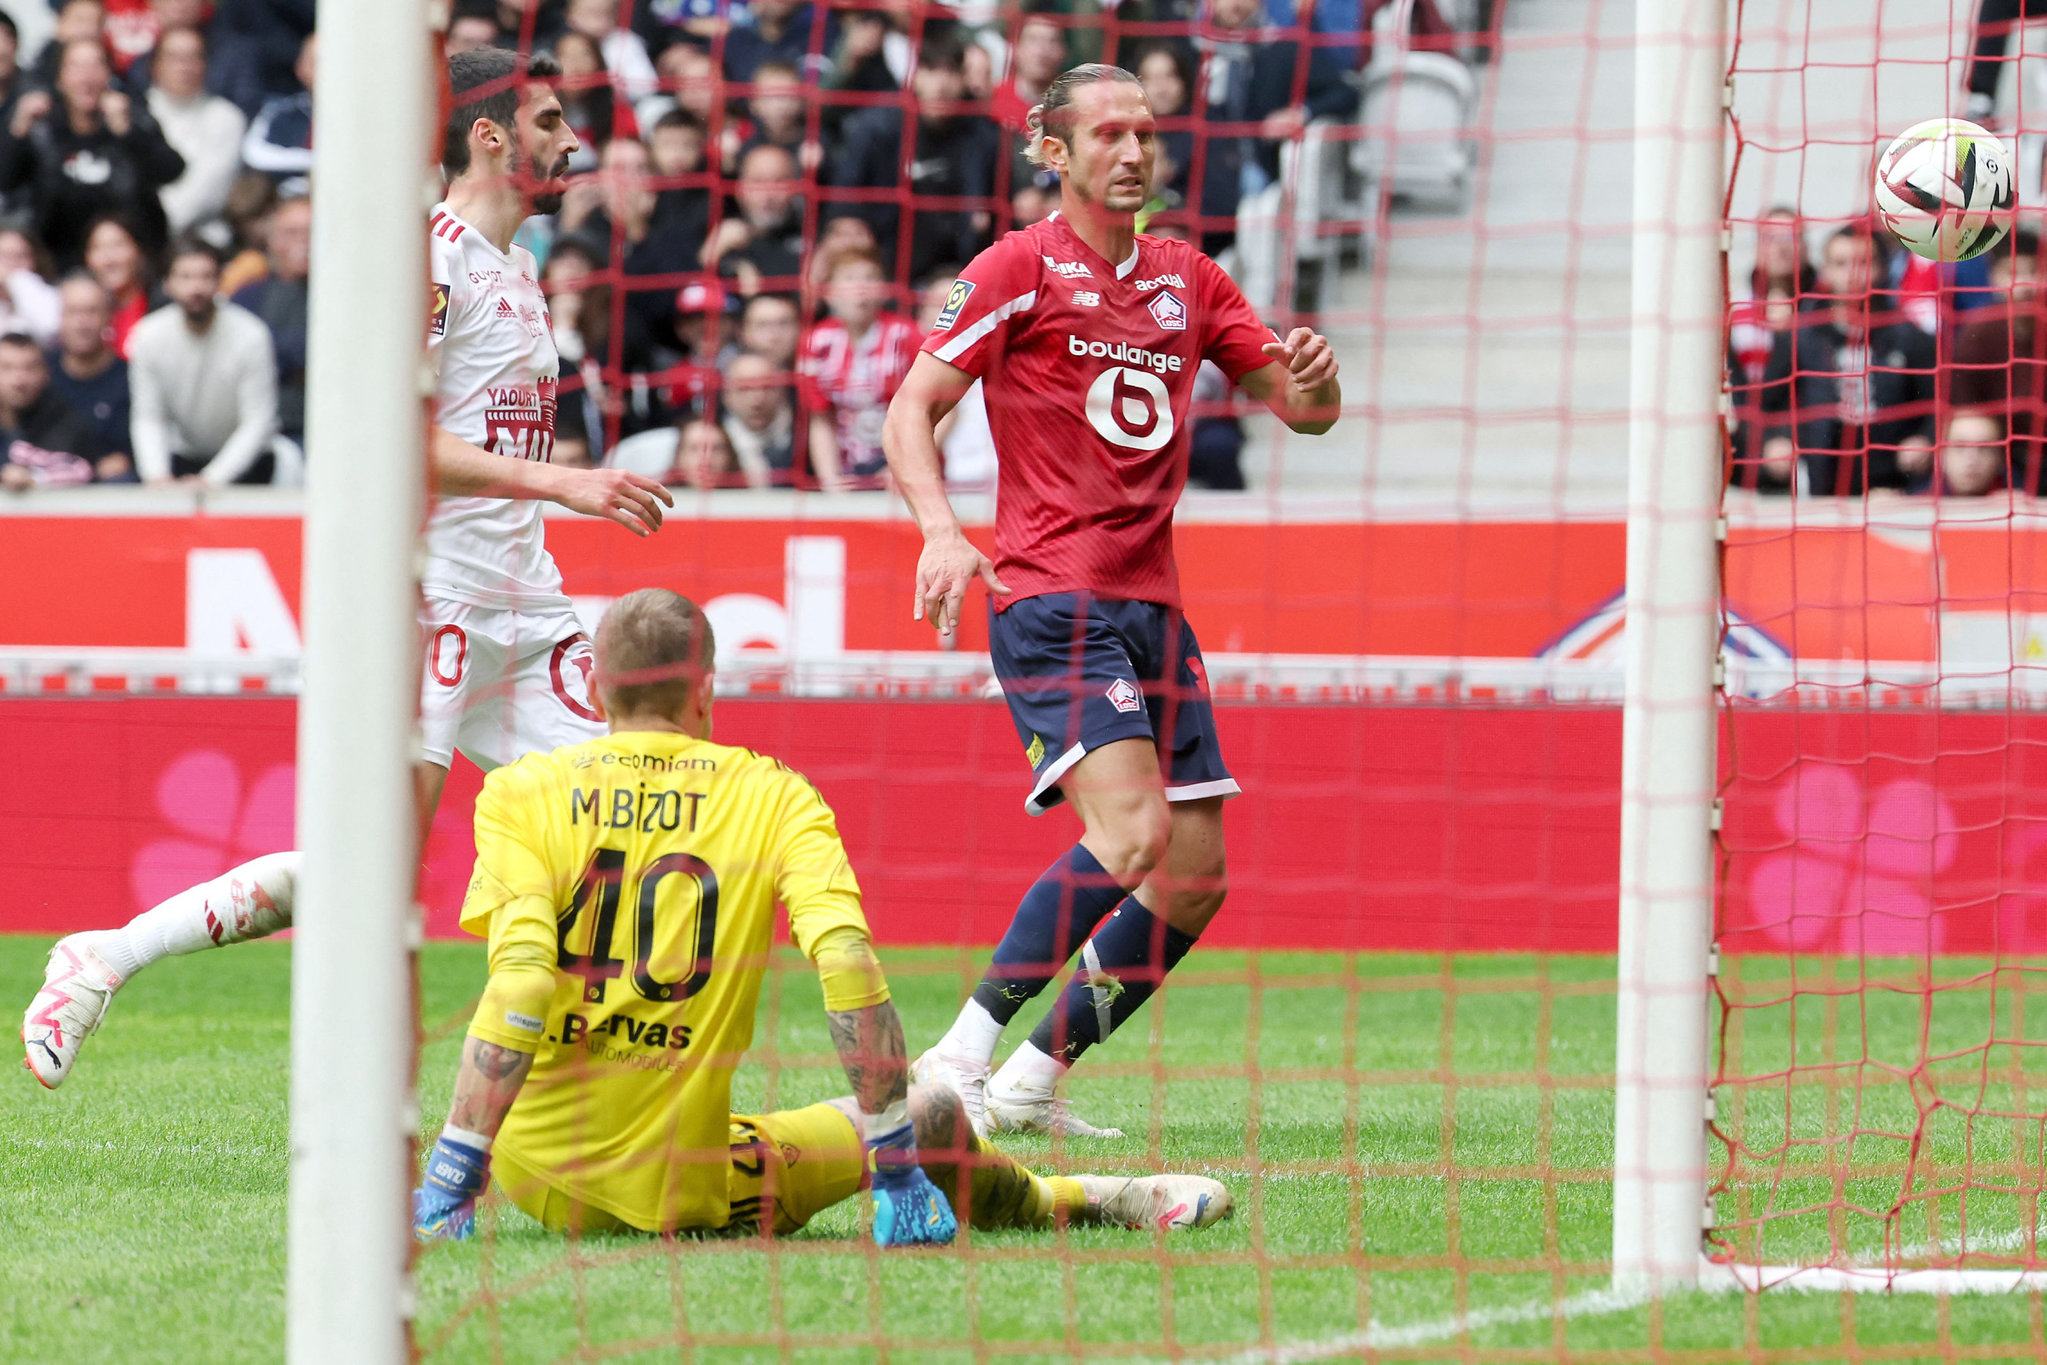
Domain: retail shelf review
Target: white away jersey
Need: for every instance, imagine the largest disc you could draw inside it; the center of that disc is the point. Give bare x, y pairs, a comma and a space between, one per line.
492, 349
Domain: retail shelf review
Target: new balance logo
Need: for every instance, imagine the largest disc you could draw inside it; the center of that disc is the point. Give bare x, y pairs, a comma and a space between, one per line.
1086, 298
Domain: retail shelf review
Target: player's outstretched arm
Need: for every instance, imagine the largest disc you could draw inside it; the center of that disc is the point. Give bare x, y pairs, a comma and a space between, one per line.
1300, 384
949, 561
465, 470
488, 1081
908, 1209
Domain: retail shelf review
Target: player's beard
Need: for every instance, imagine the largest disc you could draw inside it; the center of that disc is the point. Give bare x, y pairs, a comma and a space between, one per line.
547, 201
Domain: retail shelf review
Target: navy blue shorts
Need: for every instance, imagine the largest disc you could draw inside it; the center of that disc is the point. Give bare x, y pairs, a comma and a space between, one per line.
1081, 671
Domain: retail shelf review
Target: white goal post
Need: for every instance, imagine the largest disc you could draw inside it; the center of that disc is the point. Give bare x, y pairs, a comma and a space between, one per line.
1673, 640
352, 1013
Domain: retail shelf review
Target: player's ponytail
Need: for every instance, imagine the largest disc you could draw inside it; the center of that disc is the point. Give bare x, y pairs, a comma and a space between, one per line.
1053, 117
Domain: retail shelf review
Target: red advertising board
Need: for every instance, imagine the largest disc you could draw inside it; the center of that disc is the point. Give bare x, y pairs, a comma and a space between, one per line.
1395, 827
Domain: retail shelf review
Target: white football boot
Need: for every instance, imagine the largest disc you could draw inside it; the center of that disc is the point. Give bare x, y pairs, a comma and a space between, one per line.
967, 1079
1161, 1202
1027, 1104
77, 987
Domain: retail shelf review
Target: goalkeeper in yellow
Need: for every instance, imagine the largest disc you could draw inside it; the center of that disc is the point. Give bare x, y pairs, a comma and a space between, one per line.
628, 886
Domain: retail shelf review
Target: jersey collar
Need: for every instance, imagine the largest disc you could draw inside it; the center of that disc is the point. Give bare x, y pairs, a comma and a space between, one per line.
1122, 271
481, 240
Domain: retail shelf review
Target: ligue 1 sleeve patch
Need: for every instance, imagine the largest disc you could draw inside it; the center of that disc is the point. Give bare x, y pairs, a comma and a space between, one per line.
962, 290
437, 310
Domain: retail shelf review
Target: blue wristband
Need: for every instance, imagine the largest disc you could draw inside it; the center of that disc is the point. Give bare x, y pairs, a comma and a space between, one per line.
457, 1169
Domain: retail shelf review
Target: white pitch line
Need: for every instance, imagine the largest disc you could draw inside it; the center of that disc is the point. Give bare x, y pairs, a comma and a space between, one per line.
1384, 1337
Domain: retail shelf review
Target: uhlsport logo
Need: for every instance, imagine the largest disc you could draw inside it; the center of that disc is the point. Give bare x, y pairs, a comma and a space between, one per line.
1167, 311
954, 301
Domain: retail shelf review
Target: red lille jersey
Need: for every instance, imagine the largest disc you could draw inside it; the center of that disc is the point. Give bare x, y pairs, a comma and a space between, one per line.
858, 378
1089, 373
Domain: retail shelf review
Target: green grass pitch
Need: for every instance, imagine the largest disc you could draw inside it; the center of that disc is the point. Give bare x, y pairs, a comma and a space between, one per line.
1409, 1138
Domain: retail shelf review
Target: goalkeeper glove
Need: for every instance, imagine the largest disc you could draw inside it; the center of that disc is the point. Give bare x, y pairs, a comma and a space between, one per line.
908, 1209
444, 1205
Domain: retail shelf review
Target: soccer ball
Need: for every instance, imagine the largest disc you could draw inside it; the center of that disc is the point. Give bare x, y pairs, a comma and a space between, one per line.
1944, 188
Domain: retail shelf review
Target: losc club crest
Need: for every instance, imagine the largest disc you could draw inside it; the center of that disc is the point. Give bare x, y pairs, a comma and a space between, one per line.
1167, 311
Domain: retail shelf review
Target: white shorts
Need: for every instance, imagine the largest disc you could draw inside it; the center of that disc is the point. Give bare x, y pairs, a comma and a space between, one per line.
497, 685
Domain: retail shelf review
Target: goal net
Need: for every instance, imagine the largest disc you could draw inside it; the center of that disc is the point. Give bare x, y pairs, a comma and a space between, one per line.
1876, 1111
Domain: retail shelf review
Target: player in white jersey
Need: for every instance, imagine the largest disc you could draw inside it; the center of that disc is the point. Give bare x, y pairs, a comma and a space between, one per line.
507, 666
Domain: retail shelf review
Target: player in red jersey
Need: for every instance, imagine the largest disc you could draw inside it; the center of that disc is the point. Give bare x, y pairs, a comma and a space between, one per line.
1087, 337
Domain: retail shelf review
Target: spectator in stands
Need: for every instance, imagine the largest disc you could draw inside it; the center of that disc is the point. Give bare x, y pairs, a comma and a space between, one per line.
1995, 20
43, 443
28, 302
89, 151
13, 80
775, 117
663, 24
703, 457
203, 381
857, 358
978, 71
1999, 369
688, 71
871, 58
1782, 284
759, 417
139, 74
579, 304
1927, 292
279, 143
625, 54
761, 246
770, 326
953, 155
258, 49
621, 229
1973, 459
246, 217
839, 237
589, 104
963, 434
676, 151
279, 299
78, 21
1162, 70
204, 129
1848, 396
472, 26
782, 29
130, 32
1250, 79
113, 256
1039, 55
700, 325
87, 374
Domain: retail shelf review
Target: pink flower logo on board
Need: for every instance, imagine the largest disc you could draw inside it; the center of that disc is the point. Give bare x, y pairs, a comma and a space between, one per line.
1857, 868
217, 820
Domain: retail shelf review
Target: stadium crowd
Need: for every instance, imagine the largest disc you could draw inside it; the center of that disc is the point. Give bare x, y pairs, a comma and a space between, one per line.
1872, 370
768, 209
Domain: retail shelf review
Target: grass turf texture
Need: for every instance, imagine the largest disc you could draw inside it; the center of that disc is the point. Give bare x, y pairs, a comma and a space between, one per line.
1407, 1137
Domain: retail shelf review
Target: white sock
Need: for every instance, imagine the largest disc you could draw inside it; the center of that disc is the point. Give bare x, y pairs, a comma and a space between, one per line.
1029, 1070
251, 901
973, 1035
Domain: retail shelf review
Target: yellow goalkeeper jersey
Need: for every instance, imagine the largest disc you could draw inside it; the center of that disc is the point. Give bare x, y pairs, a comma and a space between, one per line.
644, 868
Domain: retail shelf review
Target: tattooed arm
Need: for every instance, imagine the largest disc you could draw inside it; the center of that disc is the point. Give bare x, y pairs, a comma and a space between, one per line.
486, 1084
870, 1044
